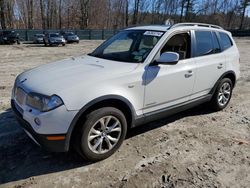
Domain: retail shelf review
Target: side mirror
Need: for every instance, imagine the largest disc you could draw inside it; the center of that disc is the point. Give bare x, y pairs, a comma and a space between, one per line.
168, 58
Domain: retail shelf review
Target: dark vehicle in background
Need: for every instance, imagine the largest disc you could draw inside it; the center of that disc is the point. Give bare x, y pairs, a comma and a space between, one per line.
53, 39
70, 37
9, 37
38, 39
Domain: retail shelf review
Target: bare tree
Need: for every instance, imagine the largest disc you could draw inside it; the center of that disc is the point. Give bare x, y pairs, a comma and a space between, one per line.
244, 5
2, 15
126, 13
60, 14
84, 4
42, 8
182, 9
136, 11
30, 13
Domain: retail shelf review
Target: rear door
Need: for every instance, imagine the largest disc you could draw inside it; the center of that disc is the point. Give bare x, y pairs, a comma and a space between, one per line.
210, 62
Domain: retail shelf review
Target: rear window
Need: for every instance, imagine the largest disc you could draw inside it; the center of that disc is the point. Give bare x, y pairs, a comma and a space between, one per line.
226, 42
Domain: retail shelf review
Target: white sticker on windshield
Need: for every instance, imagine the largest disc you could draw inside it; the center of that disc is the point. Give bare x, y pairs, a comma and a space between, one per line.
153, 33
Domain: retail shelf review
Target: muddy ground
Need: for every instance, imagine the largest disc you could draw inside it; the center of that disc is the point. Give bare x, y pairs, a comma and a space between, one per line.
195, 148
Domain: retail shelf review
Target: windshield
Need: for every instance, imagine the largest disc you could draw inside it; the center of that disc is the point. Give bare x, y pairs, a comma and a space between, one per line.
54, 35
128, 46
70, 34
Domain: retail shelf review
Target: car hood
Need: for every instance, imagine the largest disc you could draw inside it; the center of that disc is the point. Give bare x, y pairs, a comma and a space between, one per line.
72, 36
72, 73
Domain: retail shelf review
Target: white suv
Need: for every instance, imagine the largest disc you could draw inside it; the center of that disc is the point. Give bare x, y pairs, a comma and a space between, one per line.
139, 75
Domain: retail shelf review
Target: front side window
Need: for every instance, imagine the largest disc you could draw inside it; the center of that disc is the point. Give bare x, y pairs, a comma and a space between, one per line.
225, 41
179, 43
204, 43
128, 46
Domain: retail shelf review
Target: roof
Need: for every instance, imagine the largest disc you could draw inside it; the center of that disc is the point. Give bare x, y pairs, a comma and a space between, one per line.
178, 25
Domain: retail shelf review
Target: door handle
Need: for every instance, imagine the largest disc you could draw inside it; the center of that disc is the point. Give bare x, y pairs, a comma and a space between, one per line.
189, 74
220, 66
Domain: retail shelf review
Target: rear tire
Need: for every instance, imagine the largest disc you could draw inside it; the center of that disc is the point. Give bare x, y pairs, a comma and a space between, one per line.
222, 95
101, 134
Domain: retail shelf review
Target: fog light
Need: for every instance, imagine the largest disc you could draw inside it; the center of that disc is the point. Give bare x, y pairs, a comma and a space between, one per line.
37, 121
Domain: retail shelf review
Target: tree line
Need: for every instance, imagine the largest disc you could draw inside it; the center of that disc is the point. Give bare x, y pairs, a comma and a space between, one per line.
116, 14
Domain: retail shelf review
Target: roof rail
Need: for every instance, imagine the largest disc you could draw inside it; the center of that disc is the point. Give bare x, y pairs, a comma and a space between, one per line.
197, 25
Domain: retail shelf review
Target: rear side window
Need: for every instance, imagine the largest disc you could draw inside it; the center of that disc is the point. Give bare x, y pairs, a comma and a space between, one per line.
217, 48
226, 42
204, 43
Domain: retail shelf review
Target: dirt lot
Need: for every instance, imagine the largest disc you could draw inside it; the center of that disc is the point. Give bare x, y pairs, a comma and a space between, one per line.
196, 148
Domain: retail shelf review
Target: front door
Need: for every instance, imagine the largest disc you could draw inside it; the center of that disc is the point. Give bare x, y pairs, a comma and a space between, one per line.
169, 85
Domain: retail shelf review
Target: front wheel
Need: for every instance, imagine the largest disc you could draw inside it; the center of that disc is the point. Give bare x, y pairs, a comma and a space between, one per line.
222, 94
101, 134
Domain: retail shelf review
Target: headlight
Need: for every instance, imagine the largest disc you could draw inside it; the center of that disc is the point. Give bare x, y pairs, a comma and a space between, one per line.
43, 103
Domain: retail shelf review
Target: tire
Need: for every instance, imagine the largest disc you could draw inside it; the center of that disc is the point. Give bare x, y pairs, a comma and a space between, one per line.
222, 95
63, 44
92, 140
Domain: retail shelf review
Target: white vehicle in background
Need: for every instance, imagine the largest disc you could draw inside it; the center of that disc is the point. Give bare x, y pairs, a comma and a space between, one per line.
70, 37
139, 75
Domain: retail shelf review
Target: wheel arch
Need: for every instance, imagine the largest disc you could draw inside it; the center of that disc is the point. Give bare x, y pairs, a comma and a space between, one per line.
116, 101
229, 74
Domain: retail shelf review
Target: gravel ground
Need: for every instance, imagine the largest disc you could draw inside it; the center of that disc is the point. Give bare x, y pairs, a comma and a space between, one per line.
195, 148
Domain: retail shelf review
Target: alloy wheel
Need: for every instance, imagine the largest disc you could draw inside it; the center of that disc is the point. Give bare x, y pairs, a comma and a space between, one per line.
224, 94
104, 134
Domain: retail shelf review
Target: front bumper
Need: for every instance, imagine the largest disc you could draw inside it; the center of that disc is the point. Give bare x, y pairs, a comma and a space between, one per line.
11, 40
39, 41
41, 139
72, 40
57, 42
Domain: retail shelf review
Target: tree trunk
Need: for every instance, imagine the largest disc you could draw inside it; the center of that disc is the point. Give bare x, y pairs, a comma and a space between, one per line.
30, 14
188, 7
244, 6
84, 13
182, 9
42, 14
136, 12
2, 15
60, 14
9, 13
126, 14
